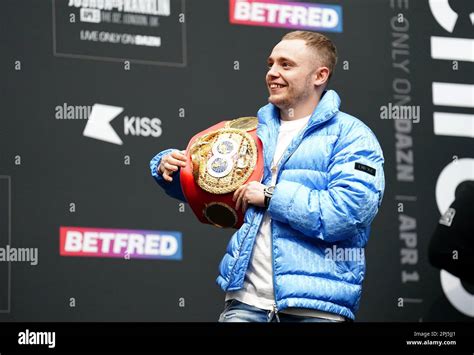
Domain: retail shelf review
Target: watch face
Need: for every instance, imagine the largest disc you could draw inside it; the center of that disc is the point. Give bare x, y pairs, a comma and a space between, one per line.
269, 191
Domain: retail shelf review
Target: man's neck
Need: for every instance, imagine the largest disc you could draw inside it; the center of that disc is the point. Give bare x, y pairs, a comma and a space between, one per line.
299, 111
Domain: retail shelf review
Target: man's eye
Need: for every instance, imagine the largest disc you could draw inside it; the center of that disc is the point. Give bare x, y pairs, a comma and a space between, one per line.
286, 65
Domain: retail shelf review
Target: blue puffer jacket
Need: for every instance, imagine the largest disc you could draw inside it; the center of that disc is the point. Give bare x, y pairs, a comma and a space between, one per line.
329, 187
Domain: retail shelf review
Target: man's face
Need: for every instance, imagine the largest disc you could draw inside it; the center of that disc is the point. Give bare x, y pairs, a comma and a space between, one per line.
290, 76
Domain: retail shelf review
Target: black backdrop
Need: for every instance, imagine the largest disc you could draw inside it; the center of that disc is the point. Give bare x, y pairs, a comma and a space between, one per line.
207, 70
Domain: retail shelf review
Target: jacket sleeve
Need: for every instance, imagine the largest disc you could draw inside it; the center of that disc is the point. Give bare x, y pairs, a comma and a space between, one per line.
173, 188
352, 197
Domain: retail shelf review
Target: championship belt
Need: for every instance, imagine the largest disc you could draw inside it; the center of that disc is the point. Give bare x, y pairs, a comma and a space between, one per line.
220, 159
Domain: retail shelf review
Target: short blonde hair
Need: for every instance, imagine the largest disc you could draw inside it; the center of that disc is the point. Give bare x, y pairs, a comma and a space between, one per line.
324, 48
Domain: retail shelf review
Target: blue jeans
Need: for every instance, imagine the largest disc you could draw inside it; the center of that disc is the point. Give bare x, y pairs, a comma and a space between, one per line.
236, 311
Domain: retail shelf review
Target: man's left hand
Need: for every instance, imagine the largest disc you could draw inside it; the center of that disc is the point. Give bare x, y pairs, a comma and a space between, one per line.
251, 193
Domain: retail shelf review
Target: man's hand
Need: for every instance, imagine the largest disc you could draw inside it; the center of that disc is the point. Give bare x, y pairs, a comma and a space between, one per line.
171, 163
251, 193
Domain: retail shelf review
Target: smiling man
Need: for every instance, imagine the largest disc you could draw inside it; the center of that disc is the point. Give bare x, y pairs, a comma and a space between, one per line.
322, 186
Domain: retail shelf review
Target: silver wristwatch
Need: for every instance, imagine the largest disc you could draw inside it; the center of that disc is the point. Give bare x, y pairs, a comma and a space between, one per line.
268, 193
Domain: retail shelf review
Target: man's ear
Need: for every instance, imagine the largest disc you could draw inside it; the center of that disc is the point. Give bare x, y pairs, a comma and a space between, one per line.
321, 76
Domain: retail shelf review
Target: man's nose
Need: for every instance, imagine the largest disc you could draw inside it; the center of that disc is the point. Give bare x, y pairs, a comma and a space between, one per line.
272, 71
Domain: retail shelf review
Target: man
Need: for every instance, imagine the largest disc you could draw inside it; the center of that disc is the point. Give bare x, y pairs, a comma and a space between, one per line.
322, 186
451, 246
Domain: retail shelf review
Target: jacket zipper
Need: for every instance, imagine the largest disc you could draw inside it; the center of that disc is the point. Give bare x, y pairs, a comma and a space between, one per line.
240, 249
303, 135
274, 312
275, 306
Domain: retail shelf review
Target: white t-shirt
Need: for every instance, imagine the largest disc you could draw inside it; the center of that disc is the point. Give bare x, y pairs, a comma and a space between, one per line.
258, 290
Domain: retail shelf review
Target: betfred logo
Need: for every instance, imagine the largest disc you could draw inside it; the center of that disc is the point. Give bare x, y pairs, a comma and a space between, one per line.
120, 243
294, 15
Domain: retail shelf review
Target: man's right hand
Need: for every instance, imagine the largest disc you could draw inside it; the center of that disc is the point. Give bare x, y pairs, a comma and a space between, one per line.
171, 163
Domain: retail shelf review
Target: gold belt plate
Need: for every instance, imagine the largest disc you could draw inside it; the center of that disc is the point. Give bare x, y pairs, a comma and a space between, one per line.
223, 160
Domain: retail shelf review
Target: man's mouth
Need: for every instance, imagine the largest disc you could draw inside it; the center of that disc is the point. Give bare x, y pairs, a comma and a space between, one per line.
276, 86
